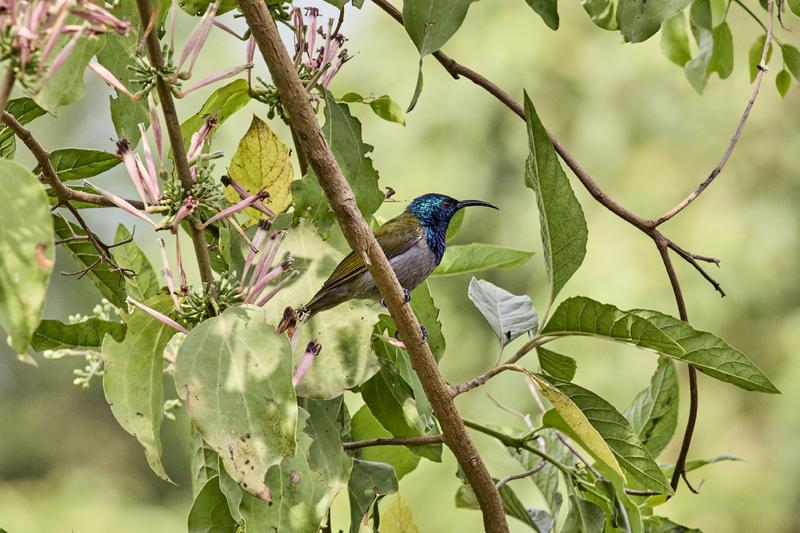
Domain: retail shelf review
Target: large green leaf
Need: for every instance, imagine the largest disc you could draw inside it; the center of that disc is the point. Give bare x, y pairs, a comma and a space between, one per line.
675, 40
583, 517
508, 314
234, 374
222, 103
548, 10
653, 413
618, 433
133, 381
144, 283
397, 517
66, 85
791, 58
368, 482
602, 13
430, 23
343, 132
302, 487
110, 282
24, 110
262, 161
722, 54
209, 513
55, 335
638, 21
754, 55
346, 359
561, 219
364, 426
26, 253
475, 257
76, 163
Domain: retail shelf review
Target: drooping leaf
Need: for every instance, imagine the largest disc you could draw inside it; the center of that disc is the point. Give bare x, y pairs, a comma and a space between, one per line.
209, 513
618, 433
583, 517
145, 282
548, 10
24, 110
601, 12
66, 85
234, 374
417, 88
364, 426
563, 226
556, 364
791, 58
754, 55
476, 257
204, 462
110, 282
55, 335
653, 413
431, 23
222, 103
343, 132
397, 517
27, 251
659, 524
698, 68
638, 21
513, 507
133, 381
262, 162
783, 82
675, 40
509, 315
722, 54
700, 463
368, 482
659, 332
76, 163
388, 109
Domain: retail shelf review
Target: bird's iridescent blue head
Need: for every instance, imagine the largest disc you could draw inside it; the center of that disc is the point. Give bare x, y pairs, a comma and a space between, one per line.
434, 212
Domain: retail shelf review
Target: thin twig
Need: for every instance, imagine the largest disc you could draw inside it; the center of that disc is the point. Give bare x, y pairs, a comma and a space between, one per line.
397, 441
541, 464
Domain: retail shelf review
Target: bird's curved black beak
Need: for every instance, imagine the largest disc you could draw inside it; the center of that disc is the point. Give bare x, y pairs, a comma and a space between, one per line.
467, 203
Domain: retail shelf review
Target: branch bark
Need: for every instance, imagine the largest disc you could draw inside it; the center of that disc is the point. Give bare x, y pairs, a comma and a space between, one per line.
175, 138
340, 196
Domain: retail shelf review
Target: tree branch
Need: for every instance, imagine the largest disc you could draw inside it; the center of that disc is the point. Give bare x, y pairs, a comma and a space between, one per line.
395, 441
295, 100
5, 87
175, 139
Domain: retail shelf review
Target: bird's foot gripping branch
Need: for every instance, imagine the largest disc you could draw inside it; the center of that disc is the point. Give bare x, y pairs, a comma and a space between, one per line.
266, 330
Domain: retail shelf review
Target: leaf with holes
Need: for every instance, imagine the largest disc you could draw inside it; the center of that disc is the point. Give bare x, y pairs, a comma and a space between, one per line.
509, 315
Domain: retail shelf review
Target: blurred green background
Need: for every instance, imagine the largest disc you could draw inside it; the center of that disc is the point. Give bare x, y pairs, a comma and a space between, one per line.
633, 122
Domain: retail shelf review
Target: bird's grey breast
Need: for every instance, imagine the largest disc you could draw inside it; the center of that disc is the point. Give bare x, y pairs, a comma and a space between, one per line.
412, 267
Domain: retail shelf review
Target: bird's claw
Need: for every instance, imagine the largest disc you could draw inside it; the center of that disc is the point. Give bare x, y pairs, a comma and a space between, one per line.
406, 297
424, 332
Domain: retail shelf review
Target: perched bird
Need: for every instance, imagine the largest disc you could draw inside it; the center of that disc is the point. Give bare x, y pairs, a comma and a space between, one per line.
414, 243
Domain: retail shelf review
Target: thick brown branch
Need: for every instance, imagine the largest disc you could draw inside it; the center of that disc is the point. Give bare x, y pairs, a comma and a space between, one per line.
5, 87
175, 138
407, 441
295, 100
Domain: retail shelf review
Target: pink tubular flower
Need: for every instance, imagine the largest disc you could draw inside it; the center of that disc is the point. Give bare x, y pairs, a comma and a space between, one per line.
186, 209
161, 317
252, 285
242, 192
304, 364
321, 63
110, 79
247, 202
145, 185
200, 137
167, 273
120, 202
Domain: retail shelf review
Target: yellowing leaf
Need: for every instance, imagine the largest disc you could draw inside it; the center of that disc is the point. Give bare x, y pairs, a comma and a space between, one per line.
262, 161
397, 517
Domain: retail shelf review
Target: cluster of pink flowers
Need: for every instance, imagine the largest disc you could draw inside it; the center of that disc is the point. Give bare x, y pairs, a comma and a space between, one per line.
318, 50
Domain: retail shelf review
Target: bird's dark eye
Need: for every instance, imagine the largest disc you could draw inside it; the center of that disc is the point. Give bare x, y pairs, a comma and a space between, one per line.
446, 203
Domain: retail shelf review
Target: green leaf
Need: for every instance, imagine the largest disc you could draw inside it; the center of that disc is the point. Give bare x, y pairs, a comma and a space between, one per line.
397, 517
476, 257
55, 335
388, 109
428, 316
204, 462
696, 70
783, 82
602, 13
509, 315
653, 413
364, 426
343, 132
563, 226
620, 436
110, 283
144, 283
24, 110
455, 225
675, 40
754, 55
557, 365
75, 163
700, 463
430, 23
222, 104
583, 517
659, 524
662, 333
368, 482
718, 11
791, 58
794, 6
513, 507
234, 374
638, 21
548, 10
262, 162
66, 85
417, 89
133, 381
27, 251
209, 513
722, 55
199, 7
